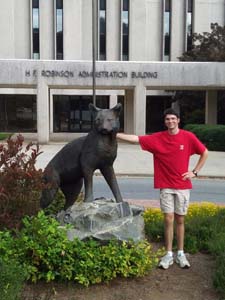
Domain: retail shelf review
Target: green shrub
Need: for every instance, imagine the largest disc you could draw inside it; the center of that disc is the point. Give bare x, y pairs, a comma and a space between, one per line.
216, 244
198, 231
56, 205
211, 135
154, 226
43, 248
4, 136
219, 275
195, 116
12, 277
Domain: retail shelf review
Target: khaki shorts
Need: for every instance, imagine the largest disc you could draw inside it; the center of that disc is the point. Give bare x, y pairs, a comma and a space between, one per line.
174, 201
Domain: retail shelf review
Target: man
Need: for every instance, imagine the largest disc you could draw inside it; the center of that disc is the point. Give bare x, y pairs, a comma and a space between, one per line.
171, 150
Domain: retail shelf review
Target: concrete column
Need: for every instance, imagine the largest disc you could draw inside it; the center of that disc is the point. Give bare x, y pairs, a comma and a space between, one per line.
86, 32
152, 35
112, 100
42, 112
135, 110
211, 108
129, 111
139, 109
113, 10
72, 29
138, 30
177, 29
46, 29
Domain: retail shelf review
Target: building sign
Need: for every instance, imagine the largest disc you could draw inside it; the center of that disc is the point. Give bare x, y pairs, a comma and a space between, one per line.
103, 74
98, 74
53, 73
116, 74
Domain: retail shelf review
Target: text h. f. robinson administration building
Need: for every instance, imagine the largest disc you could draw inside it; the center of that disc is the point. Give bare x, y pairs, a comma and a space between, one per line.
46, 68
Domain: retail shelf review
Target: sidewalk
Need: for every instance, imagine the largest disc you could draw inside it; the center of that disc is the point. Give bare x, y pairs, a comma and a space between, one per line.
132, 161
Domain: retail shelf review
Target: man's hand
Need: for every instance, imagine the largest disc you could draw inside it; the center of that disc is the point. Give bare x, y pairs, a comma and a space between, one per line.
188, 175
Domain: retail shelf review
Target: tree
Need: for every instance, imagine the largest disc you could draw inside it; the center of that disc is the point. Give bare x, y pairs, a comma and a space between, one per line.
208, 46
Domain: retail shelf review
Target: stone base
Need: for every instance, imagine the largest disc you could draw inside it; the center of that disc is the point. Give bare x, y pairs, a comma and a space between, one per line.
104, 219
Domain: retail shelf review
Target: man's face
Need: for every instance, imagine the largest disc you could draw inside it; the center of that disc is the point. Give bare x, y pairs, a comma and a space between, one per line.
171, 121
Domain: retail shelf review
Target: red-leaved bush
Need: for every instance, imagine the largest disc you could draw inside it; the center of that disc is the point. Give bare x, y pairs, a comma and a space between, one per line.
20, 182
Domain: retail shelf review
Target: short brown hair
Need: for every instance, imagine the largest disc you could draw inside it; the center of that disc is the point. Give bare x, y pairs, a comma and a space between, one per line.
171, 111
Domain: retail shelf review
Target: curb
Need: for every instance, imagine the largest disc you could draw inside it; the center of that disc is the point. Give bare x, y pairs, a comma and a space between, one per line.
138, 175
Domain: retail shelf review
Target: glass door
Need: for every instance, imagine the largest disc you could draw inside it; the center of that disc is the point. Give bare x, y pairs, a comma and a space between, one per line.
71, 113
79, 114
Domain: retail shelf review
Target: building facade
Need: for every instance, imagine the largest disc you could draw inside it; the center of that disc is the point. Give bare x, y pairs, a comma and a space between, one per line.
46, 46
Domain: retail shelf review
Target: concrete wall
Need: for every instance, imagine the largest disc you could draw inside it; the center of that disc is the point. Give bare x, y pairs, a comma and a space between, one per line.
207, 12
146, 28
7, 48
21, 29
14, 29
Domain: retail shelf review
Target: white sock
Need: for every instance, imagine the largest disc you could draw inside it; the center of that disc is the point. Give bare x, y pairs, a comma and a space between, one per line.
170, 253
180, 252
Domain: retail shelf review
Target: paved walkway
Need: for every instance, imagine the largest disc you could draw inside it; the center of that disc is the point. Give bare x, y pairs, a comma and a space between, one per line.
132, 161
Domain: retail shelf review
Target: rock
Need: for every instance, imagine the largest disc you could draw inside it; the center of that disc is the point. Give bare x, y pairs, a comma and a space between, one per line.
104, 219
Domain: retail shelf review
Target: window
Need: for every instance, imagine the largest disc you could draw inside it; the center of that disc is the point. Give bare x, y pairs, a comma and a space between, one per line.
102, 29
18, 113
125, 29
35, 30
59, 29
72, 114
189, 24
167, 30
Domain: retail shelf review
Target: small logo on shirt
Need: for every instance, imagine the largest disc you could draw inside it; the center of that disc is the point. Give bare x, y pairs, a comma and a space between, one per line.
181, 147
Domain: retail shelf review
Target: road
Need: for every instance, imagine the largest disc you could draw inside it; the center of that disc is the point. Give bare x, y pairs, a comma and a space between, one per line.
141, 188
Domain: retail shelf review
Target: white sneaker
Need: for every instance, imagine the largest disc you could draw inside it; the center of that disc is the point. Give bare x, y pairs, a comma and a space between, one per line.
182, 261
166, 261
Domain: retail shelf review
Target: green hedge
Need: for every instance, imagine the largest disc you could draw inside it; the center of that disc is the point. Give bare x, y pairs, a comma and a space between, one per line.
213, 136
4, 136
12, 278
45, 252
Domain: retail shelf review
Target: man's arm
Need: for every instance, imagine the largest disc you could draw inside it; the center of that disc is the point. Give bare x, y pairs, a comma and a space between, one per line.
201, 161
198, 166
131, 138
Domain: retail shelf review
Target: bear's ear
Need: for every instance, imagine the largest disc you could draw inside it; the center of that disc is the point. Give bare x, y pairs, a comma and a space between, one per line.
93, 108
117, 109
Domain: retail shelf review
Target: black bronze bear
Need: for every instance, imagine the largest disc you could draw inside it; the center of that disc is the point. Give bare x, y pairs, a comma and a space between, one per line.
76, 162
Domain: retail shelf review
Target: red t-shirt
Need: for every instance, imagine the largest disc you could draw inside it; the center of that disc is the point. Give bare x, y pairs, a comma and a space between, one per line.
171, 156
